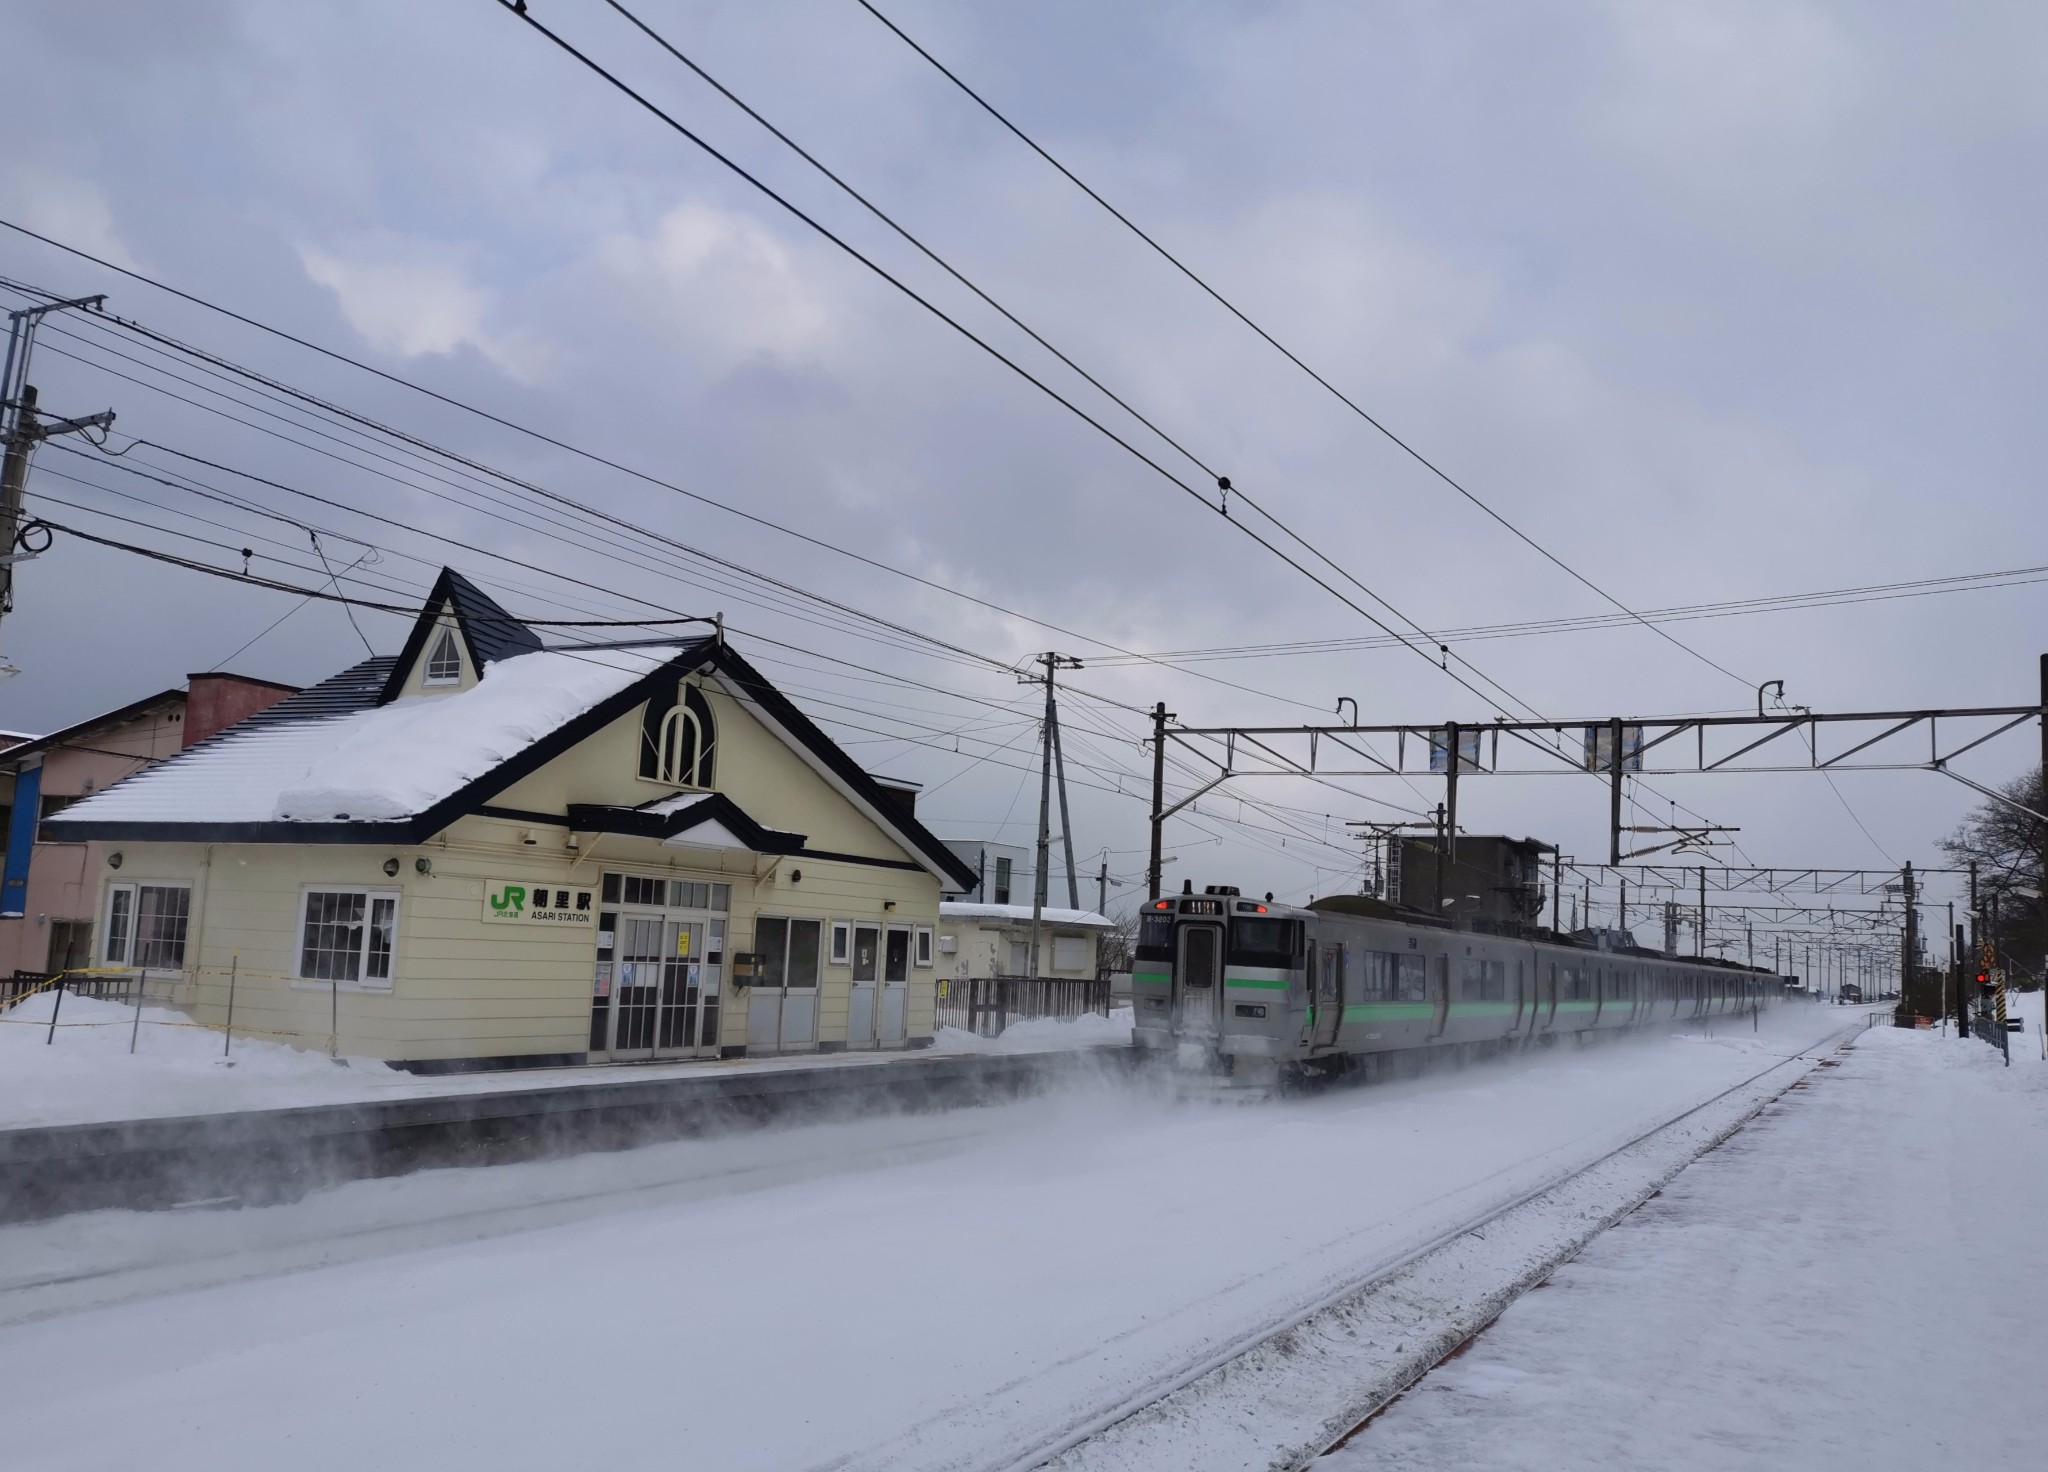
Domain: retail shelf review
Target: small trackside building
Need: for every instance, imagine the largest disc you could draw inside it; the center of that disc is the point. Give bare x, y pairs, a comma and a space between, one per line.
486, 852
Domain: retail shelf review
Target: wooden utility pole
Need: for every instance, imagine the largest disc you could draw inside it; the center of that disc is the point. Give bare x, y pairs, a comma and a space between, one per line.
1053, 663
22, 429
1447, 837
1160, 717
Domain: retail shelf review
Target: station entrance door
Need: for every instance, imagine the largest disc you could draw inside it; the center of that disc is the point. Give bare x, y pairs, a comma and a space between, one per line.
659, 980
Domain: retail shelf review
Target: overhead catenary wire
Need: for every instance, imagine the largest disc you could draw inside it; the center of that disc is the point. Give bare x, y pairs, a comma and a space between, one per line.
1095, 382
598, 69
1416, 455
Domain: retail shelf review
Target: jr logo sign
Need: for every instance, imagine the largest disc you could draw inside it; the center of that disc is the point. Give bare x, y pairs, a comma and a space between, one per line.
547, 904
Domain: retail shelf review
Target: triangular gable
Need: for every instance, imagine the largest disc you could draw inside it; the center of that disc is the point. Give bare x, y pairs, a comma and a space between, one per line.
486, 630
774, 710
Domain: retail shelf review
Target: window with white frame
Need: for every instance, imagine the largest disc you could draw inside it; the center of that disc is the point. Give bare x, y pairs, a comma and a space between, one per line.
922, 951
1069, 952
842, 943
348, 935
146, 925
444, 661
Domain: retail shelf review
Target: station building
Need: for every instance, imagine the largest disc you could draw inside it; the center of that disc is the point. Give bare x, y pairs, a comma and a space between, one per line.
486, 852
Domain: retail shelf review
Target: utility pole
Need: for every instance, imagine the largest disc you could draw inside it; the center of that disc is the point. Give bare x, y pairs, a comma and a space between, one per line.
1059, 761
1621, 911
1102, 887
1701, 948
1556, 886
1447, 837
22, 428
1160, 717
1963, 1002
1910, 939
1053, 663
1614, 799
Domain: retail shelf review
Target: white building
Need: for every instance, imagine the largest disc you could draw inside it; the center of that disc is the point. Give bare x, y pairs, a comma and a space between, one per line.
977, 940
1003, 871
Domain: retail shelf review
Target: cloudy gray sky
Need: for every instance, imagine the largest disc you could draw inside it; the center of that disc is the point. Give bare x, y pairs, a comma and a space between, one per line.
1717, 301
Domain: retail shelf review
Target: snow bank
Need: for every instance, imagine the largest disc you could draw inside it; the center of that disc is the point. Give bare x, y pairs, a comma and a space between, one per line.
1036, 1034
177, 1068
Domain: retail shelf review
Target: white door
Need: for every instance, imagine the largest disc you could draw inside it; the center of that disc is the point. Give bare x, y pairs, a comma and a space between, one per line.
895, 1016
782, 1004
861, 1007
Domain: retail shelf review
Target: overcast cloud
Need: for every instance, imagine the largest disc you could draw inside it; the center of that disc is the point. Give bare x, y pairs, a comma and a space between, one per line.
1715, 300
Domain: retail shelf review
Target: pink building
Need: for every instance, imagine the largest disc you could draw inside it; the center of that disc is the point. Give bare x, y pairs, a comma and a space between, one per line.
47, 888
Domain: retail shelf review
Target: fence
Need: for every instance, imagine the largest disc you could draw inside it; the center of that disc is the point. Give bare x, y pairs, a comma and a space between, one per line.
985, 1005
112, 986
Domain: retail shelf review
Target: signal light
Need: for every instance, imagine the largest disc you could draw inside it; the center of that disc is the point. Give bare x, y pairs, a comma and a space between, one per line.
1162, 904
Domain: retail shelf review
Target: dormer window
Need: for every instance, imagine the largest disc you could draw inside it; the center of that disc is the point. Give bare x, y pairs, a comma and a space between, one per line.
444, 661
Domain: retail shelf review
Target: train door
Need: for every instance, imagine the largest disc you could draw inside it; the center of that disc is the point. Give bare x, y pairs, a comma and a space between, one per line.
860, 1013
1519, 980
1326, 964
1440, 994
1544, 1013
1198, 981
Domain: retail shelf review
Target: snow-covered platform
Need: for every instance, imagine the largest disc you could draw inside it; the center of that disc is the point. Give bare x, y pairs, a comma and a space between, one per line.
85, 1123
1856, 1280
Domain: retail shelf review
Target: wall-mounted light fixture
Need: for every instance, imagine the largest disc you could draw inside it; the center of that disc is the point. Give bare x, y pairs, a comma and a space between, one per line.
391, 867
796, 876
422, 865
113, 861
526, 837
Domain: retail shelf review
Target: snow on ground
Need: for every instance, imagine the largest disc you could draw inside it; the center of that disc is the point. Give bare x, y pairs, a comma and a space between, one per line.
85, 1071
1090, 1029
87, 1074
889, 1292
1856, 1281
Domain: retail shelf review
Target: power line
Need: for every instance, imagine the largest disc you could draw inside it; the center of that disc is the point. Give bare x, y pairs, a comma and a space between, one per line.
589, 63
1343, 398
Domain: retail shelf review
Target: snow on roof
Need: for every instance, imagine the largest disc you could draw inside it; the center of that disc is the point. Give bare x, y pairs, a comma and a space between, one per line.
969, 910
389, 761
668, 807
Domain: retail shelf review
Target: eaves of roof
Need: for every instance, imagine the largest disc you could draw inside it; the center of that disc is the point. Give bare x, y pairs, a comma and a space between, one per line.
97, 723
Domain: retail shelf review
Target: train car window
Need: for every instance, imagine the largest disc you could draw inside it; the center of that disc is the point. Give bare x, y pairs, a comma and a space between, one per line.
1155, 938
1484, 981
1270, 942
1411, 980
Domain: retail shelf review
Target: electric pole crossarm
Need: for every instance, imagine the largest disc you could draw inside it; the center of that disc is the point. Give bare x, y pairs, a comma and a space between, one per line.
1205, 788
1996, 795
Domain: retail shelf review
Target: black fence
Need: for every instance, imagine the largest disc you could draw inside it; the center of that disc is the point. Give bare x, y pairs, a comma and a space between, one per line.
985, 1005
113, 986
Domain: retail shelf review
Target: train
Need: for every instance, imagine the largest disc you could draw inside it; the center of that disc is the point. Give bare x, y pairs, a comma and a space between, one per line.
1259, 991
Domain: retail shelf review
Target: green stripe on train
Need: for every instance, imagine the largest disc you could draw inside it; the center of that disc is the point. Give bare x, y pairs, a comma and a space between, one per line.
1279, 985
1163, 978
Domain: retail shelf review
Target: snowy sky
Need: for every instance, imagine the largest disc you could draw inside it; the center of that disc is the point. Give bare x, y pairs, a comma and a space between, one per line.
1716, 301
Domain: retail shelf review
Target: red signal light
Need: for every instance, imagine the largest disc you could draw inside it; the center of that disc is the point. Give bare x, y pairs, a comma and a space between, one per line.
1162, 904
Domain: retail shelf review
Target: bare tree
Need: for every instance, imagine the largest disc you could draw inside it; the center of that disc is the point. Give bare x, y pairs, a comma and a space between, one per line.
2005, 843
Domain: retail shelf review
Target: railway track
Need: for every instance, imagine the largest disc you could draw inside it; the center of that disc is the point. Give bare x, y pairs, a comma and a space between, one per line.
1287, 1389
